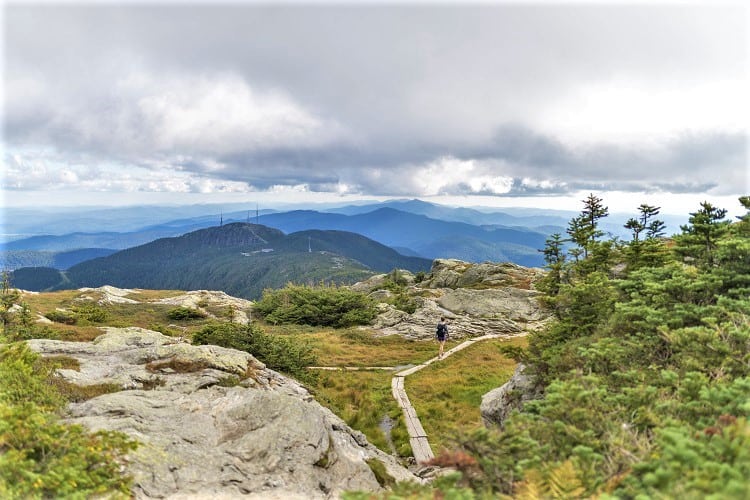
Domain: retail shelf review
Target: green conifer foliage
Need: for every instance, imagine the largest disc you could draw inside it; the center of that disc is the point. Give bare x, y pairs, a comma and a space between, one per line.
646, 373
700, 236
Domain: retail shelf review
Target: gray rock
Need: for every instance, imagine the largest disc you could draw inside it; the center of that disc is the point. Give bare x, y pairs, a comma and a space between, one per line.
477, 299
199, 299
452, 273
514, 304
200, 438
499, 403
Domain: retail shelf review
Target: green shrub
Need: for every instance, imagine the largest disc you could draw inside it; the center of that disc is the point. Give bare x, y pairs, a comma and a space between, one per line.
90, 312
285, 354
316, 306
185, 313
41, 457
64, 317
403, 302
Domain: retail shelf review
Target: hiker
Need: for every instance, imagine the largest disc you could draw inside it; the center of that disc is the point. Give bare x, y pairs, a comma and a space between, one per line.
441, 334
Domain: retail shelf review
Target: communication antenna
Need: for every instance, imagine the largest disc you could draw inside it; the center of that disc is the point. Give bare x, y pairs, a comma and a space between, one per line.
221, 219
248, 216
257, 218
309, 246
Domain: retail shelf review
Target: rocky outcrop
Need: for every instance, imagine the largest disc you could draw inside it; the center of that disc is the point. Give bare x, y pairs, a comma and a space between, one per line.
499, 403
202, 300
377, 281
215, 422
477, 299
108, 295
452, 273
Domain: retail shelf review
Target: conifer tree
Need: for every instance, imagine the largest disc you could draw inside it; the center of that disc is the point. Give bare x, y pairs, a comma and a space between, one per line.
645, 251
554, 257
699, 237
583, 230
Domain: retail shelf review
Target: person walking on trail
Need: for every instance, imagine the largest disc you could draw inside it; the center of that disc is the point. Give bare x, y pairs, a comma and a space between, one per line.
441, 334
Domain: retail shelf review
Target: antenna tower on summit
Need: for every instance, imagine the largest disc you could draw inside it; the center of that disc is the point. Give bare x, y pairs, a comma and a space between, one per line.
221, 219
257, 216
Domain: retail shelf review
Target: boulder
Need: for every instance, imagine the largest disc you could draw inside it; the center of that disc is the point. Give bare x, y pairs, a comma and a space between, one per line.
498, 403
215, 422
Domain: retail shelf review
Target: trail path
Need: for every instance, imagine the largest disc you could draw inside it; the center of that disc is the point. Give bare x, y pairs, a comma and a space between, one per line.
417, 436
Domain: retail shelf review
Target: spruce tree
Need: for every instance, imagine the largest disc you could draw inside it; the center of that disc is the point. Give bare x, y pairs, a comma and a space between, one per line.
554, 257
583, 230
699, 237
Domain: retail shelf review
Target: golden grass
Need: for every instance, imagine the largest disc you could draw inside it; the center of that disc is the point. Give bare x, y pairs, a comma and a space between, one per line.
144, 314
360, 347
363, 399
447, 394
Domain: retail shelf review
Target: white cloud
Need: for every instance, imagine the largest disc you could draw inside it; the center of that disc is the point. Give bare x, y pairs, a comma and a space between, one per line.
145, 114
623, 111
47, 171
221, 114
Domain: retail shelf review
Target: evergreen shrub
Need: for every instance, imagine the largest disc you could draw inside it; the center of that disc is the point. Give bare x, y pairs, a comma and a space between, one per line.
316, 306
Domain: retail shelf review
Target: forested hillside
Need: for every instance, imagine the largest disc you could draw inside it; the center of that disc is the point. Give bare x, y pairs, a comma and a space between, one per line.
645, 373
240, 259
16, 259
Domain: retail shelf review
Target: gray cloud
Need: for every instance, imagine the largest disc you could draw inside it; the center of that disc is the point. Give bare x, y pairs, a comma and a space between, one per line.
380, 100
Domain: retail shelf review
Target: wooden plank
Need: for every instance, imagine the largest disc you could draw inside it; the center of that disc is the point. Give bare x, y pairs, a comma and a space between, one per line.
416, 425
412, 429
409, 371
421, 449
410, 412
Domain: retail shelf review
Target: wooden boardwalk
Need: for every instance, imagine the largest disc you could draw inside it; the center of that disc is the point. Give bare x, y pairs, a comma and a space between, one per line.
417, 436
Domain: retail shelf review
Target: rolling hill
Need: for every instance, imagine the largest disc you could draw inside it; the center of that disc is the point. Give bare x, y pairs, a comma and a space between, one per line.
239, 258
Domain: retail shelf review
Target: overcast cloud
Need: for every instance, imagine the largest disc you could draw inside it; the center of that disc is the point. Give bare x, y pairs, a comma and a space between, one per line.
421, 100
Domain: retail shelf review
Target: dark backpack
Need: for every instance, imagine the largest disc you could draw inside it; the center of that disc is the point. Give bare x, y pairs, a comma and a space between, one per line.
442, 330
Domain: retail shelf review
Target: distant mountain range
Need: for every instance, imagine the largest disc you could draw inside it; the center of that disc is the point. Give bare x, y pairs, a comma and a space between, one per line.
239, 258
460, 214
412, 227
412, 233
427, 237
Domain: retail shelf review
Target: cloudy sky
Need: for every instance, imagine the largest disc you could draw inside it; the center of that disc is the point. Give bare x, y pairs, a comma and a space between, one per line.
515, 104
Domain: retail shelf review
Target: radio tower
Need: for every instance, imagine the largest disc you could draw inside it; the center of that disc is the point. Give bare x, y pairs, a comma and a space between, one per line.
257, 217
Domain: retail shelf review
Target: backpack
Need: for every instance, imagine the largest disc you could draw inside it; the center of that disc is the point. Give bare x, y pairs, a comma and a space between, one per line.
442, 330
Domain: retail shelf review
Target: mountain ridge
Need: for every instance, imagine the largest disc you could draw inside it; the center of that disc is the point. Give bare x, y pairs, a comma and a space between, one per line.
240, 258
